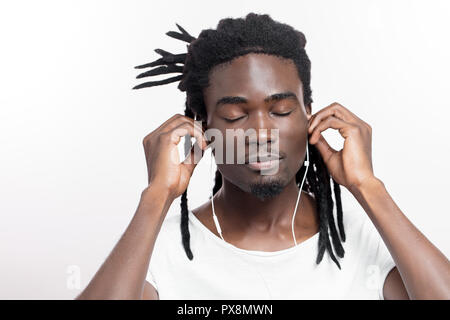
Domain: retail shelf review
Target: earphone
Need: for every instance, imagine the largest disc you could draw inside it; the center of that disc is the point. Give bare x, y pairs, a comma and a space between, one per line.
306, 164
216, 221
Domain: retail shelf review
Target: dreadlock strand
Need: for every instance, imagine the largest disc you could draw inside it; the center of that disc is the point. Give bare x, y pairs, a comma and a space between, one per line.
163, 53
184, 32
332, 256
184, 226
184, 223
184, 35
322, 247
333, 232
161, 70
320, 206
171, 59
158, 83
179, 36
218, 181
340, 218
323, 207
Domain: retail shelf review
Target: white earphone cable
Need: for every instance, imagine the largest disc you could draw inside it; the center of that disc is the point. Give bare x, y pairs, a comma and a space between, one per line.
216, 221
300, 192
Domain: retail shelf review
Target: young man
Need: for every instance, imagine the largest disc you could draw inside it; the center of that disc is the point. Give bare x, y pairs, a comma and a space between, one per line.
254, 73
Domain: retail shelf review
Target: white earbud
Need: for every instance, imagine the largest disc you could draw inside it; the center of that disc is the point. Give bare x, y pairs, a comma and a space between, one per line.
307, 156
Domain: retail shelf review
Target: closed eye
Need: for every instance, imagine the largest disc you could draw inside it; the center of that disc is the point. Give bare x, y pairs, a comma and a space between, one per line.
232, 120
283, 114
278, 114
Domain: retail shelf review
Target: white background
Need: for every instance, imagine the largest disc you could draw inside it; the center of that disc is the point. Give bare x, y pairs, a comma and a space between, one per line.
71, 160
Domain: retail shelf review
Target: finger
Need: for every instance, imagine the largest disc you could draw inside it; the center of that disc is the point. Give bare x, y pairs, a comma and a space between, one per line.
176, 121
330, 122
172, 119
324, 148
194, 131
334, 109
192, 160
166, 125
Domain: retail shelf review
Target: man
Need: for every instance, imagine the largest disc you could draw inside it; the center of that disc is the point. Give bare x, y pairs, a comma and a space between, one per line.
254, 73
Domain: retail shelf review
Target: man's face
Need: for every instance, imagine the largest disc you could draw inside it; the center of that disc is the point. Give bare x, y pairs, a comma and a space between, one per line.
253, 78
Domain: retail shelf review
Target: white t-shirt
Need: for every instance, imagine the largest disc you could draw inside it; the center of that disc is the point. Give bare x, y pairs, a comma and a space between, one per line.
220, 270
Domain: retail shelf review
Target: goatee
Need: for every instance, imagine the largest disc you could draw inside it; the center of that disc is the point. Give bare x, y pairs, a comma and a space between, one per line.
266, 190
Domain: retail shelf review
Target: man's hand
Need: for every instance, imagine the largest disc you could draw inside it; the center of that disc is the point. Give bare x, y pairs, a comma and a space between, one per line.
161, 152
353, 164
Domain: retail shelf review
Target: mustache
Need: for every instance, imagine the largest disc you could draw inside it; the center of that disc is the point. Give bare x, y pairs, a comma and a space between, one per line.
263, 156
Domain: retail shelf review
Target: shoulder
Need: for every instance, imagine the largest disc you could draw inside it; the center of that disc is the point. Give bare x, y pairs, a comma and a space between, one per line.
359, 224
361, 234
354, 219
170, 224
172, 218
168, 234
168, 244
364, 239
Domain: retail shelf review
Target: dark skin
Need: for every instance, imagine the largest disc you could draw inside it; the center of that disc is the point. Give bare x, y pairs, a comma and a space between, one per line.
422, 271
246, 221
249, 222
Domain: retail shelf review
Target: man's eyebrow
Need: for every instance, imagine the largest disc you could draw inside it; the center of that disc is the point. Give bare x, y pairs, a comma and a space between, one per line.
281, 96
273, 97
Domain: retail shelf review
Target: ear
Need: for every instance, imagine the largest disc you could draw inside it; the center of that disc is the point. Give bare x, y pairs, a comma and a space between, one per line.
308, 109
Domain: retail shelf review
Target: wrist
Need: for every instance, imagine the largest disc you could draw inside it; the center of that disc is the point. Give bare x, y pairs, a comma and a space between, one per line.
368, 184
153, 190
155, 199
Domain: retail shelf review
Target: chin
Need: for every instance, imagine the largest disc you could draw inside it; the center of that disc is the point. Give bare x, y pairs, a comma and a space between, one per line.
266, 190
266, 187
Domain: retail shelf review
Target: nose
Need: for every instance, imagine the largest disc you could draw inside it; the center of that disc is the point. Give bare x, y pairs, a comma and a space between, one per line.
265, 131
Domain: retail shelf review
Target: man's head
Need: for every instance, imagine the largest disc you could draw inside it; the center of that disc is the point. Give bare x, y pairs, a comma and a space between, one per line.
255, 70
259, 91
232, 72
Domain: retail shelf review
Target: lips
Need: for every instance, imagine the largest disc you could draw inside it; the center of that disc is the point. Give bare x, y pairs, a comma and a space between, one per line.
263, 161
262, 158
264, 165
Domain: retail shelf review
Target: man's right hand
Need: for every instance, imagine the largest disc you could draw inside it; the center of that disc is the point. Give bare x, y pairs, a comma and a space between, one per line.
161, 152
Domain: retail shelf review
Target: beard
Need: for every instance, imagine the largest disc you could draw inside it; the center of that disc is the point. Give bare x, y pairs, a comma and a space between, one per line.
267, 189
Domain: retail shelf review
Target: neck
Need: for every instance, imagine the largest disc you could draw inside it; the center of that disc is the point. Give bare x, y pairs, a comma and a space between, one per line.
243, 210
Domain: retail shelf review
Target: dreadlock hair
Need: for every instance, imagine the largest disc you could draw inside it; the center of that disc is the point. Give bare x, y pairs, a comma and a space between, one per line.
233, 38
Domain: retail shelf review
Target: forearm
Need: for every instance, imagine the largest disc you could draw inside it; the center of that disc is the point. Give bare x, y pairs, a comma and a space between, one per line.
123, 273
425, 271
